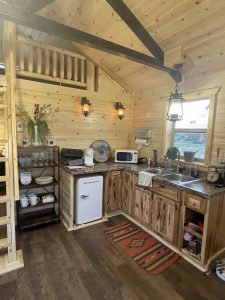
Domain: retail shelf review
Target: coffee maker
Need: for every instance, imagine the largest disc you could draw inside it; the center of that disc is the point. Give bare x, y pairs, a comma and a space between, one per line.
88, 157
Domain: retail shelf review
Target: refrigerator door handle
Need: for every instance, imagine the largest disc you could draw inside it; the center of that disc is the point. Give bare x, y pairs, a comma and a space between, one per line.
84, 196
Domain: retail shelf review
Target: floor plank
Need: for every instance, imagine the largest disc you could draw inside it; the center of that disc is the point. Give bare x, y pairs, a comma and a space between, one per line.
84, 265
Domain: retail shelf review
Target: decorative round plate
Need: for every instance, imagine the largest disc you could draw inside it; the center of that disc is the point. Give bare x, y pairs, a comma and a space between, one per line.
102, 150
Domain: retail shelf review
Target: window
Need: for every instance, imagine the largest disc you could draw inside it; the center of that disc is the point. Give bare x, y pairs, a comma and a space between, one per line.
191, 133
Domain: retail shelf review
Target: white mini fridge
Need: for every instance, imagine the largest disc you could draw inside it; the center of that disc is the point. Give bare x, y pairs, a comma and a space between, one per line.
88, 199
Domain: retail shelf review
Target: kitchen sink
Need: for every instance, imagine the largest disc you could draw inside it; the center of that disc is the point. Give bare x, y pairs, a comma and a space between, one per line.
154, 170
179, 177
158, 171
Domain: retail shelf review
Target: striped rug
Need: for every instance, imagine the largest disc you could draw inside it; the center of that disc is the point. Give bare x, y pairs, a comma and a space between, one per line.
150, 254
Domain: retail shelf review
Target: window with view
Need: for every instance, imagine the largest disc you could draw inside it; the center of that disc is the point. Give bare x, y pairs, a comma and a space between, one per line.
190, 133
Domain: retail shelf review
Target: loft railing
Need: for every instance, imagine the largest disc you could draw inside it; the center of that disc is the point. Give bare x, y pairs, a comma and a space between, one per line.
45, 62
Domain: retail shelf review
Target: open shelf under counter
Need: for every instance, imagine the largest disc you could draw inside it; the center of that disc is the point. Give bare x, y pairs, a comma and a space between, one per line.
193, 232
197, 257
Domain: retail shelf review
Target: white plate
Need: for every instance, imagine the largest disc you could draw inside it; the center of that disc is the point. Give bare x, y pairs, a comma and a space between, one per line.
76, 167
44, 180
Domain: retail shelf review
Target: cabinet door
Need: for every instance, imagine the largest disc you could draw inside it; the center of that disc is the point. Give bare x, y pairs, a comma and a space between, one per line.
127, 183
113, 191
141, 205
165, 217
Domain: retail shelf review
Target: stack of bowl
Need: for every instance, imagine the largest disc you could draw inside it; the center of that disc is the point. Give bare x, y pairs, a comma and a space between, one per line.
25, 178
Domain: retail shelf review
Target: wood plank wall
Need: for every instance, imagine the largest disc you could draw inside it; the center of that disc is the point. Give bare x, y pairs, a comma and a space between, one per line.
68, 127
149, 110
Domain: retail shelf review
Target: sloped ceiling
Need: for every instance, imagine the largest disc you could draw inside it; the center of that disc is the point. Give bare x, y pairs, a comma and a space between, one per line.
197, 25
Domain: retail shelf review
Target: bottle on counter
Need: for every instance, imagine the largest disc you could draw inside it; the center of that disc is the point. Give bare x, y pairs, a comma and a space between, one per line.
195, 171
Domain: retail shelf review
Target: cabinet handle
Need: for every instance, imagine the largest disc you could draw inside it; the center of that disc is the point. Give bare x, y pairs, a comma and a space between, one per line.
162, 186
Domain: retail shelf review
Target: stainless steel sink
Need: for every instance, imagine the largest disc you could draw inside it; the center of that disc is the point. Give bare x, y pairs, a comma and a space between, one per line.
179, 177
154, 170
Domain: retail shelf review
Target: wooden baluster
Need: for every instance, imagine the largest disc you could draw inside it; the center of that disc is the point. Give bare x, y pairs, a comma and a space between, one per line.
75, 68
54, 72
21, 57
69, 67
46, 62
82, 70
39, 61
62, 66
31, 59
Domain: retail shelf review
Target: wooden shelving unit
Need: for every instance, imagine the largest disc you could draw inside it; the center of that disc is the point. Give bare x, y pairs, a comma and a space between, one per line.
42, 213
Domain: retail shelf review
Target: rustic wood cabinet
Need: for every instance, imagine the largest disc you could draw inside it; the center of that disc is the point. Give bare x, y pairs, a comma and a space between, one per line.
159, 213
128, 191
142, 202
113, 191
210, 213
164, 217
127, 180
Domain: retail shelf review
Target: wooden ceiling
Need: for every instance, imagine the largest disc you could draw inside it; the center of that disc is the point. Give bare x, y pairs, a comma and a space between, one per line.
196, 25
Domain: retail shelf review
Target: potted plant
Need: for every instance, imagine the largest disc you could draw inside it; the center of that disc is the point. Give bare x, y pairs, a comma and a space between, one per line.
37, 126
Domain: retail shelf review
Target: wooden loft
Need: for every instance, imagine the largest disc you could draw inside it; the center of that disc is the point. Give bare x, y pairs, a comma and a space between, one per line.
14, 14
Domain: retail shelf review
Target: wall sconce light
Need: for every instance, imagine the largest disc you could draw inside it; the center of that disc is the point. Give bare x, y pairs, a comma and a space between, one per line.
120, 110
85, 106
175, 108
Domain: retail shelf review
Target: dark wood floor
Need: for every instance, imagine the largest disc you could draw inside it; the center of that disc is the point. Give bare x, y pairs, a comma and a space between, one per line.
83, 265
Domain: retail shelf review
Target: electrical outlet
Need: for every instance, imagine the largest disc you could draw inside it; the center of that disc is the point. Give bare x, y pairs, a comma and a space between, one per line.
19, 126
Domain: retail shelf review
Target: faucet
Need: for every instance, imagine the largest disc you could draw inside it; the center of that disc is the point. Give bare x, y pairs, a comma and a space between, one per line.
167, 163
178, 162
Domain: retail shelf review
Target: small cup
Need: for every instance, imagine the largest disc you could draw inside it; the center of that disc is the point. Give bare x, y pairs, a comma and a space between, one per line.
33, 199
24, 200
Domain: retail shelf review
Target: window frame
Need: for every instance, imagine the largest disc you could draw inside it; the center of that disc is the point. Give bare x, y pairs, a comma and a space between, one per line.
192, 130
168, 127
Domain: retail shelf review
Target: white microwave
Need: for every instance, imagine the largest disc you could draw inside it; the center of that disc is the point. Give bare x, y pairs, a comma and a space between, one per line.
126, 156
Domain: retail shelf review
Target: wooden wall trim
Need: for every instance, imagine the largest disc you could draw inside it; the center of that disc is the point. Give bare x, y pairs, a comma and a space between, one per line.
22, 84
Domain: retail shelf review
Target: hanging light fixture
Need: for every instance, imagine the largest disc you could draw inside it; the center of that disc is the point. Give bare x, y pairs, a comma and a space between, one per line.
85, 106
175, 108
120, 110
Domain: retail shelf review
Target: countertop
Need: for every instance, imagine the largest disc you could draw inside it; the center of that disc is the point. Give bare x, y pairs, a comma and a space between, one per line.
200, 187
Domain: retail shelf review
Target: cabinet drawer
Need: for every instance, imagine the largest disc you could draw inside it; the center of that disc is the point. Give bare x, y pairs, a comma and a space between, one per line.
166, 190
195, 202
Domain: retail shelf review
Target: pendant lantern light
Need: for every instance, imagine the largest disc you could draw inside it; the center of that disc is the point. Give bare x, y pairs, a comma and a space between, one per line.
175, 108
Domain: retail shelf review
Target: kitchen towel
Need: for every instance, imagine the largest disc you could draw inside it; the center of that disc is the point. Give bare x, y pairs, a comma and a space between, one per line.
145, 178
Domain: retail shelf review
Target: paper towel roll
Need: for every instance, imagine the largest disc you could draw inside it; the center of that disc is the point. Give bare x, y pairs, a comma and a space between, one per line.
142, 142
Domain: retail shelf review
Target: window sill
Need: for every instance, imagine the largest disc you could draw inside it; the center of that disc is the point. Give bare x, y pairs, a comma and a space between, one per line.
189, 164
193, 163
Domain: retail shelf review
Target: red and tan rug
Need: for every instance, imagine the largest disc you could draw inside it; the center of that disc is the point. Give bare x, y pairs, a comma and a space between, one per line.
149, 253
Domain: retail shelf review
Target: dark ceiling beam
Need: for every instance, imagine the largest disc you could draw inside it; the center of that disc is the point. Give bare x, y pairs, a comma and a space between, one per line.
74, 35
133, 23
37, 5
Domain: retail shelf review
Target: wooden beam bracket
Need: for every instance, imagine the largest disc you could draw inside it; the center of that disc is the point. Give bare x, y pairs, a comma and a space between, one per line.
74, 35
138, 29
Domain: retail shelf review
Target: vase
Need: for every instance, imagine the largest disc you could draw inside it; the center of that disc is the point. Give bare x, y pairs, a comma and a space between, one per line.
36, 137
